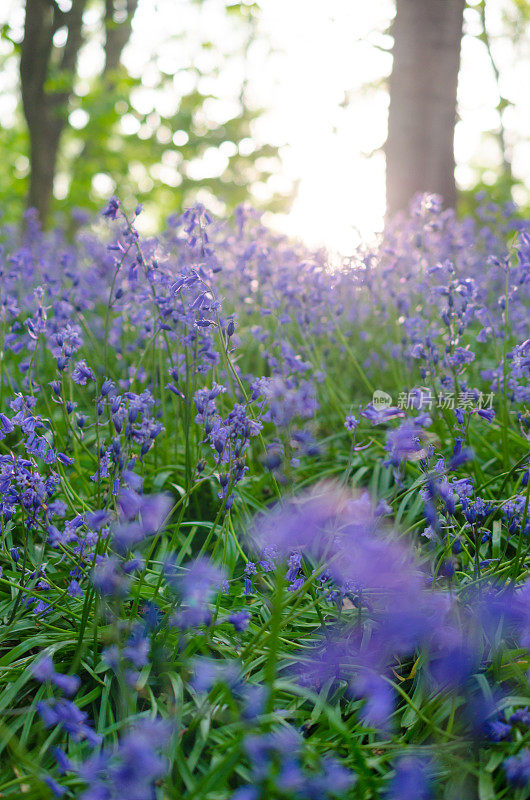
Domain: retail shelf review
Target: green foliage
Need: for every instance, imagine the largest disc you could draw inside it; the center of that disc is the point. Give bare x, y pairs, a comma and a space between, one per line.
145, 165
500, 192
135, 152
14, 166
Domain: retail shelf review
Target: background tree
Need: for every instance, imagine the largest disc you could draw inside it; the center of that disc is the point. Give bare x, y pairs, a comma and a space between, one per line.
88, 138
423, 86
506, 186
46, 79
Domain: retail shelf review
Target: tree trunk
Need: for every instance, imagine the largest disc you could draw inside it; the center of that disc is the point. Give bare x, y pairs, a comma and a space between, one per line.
117, 34
419, 149
45, 110
43, 160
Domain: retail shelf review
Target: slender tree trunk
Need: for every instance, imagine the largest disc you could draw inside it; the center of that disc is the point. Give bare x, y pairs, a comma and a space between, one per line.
117, 34
45, 110
419, 149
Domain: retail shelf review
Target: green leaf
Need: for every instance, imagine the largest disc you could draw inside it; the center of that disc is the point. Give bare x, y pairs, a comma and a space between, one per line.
485, 786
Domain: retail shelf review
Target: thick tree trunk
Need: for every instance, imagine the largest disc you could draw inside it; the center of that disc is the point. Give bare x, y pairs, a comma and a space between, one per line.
419, 149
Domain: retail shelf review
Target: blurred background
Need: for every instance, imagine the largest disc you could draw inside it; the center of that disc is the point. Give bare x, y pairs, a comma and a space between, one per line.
322, 114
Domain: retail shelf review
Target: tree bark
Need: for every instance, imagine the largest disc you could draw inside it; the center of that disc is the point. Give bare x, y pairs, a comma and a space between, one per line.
117, 34
423, 85
44, 109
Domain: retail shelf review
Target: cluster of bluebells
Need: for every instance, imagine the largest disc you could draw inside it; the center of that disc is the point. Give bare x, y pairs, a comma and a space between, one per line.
152, 386
276, 758
277, 768
130, 769
228, 437
195, 585
394, 601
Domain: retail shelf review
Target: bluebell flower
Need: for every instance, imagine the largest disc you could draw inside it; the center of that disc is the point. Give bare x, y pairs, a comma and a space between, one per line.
137, 648
377, 416
379, 697
82, 373
6, 426
240, 620
253, 698
334, 780
109, 579
74, 588
44, 670
412, 779
404, 442
56, 788
70, 718
63, 762
111, 209
497, 730
132, 767
196, 581
486, 413
517, 768
208, 672
250, 569
521, 717
246, 793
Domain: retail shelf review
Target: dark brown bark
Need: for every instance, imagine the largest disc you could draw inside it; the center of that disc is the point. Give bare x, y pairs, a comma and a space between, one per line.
117, 33
423, 85
45, 110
